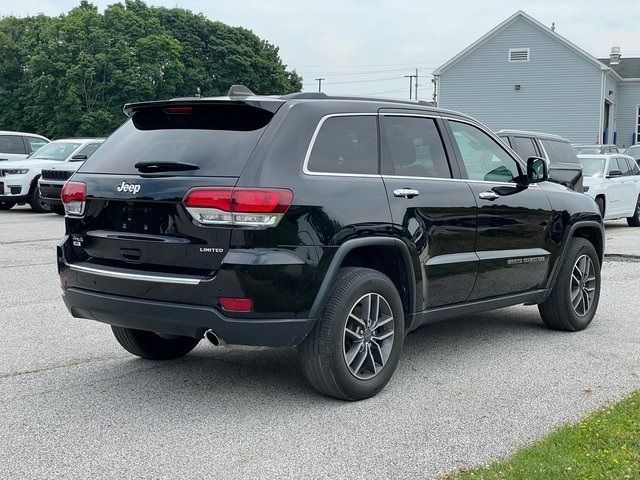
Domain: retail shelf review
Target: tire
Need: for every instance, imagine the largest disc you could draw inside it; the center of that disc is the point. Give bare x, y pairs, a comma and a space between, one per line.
152, 346
600, 203
324, 353
634, 221
558, 311
58, 210
6, 205
36, 202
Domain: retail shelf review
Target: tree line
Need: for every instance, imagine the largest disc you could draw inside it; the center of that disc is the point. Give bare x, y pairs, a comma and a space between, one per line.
71, 74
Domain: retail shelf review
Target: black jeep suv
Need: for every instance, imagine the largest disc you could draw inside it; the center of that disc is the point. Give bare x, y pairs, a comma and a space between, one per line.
335, 225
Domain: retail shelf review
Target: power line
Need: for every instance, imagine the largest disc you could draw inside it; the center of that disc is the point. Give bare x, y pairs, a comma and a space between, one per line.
368, 65
368, 72
358, 81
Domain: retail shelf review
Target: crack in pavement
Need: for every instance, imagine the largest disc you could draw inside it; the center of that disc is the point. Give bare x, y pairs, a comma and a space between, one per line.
622, 257
73, 363
39, 240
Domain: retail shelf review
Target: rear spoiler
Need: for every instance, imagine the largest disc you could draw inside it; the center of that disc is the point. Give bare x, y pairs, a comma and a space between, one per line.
270, 104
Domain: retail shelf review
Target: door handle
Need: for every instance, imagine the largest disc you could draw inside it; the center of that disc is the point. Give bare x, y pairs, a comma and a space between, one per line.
406, 192
488, 195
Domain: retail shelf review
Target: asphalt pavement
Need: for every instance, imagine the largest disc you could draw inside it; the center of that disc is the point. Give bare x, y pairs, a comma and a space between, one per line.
73, 404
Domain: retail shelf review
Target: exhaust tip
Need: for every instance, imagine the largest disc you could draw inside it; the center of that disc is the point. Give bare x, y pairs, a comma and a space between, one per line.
212, 337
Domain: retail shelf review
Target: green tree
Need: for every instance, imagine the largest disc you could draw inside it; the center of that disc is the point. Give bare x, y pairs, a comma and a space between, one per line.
70, 75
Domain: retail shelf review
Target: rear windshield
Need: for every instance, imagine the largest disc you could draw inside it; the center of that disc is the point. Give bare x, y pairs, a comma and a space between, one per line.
560, 151
218, 139
593, 166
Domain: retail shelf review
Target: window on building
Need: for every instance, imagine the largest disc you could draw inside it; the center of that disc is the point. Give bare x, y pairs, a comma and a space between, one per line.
415, 147
518, 54
347, 144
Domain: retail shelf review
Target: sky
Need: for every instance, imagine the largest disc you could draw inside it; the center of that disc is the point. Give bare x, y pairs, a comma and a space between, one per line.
367, 47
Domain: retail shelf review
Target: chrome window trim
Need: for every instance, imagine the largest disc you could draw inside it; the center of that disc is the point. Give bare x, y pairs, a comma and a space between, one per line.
305, 163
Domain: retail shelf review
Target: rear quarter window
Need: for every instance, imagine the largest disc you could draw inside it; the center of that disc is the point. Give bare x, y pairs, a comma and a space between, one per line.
345, 144
12, 144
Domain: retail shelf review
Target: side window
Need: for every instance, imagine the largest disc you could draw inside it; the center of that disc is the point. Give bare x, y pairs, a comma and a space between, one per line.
613, 165
346, 144
415, 148
560, 151
88, 149
624, 166
634, 167
506, 141
483, 158
524, 147
12, 144
35, 143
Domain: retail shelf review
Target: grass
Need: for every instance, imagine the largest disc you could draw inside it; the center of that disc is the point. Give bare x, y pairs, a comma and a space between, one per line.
604, 445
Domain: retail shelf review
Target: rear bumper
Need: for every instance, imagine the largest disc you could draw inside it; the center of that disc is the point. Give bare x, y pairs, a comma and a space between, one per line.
186, 320
50, 192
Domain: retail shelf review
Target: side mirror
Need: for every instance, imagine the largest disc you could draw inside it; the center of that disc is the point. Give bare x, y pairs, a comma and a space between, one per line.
614, 173
79, 158
537, 170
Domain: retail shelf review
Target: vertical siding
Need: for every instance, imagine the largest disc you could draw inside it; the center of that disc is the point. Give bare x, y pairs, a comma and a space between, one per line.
628, 100
560, 90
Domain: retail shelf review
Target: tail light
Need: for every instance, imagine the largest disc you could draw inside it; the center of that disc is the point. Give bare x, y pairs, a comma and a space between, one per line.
74, 196
242, 207
236, 304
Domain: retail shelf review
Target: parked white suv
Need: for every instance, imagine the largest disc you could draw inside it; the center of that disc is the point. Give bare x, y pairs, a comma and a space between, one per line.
614, 182
19, 179
17, 145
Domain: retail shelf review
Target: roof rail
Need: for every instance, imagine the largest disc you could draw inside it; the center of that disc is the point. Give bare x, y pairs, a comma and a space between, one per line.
304, 95
324, 96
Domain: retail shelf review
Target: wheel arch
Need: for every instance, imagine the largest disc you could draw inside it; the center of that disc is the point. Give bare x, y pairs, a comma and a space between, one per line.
603, 196
389, 256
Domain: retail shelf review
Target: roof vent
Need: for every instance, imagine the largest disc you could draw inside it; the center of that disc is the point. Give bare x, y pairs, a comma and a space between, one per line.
239, 91
615, 55
518, 54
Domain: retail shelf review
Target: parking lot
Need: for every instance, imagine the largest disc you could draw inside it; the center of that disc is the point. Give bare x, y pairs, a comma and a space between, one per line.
73, 404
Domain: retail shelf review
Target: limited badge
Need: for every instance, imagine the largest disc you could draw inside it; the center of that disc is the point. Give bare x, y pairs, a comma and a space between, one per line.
77, 240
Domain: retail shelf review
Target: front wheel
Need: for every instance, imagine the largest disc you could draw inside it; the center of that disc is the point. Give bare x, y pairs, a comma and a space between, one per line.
634, 221
37, 203
152, 346
7, 205
572, 303
355, 346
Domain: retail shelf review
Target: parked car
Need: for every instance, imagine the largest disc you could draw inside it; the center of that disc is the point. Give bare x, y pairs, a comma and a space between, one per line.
633, 151
564, 167
54, 177
19, 179
613, 181
336, 225
17, 145
595, 149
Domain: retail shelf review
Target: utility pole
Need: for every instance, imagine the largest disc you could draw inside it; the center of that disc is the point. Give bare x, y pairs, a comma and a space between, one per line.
416, 84
319, 80
410, 77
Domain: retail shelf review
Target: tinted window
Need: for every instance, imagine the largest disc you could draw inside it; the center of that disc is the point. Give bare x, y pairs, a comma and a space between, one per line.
88, 149
12, 144
560, 151
347, 144
524, 147
218, 138
415, 148
35, 143
483, 157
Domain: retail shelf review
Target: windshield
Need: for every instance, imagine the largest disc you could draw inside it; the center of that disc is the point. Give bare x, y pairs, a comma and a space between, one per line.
633, 151
58, 151
586, 150
592, 166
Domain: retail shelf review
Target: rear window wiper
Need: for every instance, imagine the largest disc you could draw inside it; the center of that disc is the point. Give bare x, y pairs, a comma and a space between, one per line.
152, 167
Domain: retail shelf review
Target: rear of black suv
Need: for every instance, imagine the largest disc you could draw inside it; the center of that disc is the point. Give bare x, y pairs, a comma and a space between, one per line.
162, 236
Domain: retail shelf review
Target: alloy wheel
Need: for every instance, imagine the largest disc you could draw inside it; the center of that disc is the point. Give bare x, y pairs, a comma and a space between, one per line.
368, 336
583, 285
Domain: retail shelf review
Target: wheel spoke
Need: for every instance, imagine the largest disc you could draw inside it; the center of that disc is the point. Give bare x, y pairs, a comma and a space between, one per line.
359, 362
574, 278
358, 319
586, 302
574, 295
384, 336
373, 362
375, 310
379, 348
353, 352
366, 309
576, 301
382, 321
353, 334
